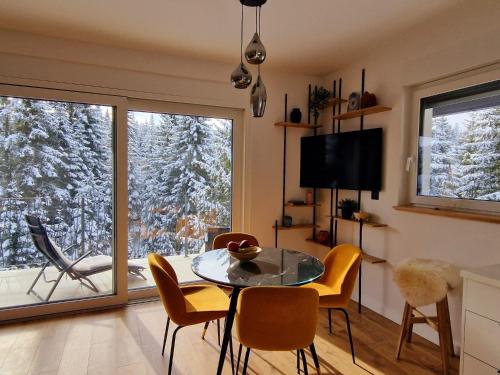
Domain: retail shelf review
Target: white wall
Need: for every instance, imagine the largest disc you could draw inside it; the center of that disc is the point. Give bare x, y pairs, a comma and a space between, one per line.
462, 39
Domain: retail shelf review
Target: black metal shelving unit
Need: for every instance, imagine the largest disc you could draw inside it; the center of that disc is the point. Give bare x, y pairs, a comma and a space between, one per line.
284, 206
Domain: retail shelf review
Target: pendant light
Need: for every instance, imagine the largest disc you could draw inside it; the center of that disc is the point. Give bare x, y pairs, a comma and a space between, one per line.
258, 97
241, 77
255, 54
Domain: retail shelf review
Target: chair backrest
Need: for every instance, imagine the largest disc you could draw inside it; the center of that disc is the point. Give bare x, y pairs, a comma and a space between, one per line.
170, 294
341, 269
277, 318
44, 244
222, 239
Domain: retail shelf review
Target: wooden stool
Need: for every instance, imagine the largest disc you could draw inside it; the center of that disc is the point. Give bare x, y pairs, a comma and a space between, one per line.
424, 282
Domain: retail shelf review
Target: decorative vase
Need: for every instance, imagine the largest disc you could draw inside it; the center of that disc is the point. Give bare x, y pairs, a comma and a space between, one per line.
295, 116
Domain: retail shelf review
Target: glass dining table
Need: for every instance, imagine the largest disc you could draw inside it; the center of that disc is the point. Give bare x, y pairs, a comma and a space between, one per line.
273, 267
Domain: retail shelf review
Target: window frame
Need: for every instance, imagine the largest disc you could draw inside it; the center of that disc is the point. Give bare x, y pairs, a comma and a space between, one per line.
119, 236
448, 88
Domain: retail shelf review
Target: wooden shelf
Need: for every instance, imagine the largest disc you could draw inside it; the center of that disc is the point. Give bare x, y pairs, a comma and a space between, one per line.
299, 125
335, 101
362, 112
326, 243
447, 212
296, 226
367, 223
302, 205
372, 259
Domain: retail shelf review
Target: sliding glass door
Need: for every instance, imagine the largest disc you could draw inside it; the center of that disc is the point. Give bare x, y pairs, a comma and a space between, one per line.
179, 187
90, 184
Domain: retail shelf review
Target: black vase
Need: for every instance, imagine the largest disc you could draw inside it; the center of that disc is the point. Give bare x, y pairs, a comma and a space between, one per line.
347, 213
295, 116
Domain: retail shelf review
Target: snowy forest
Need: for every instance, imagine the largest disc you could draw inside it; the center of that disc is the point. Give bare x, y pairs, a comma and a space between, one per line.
465, 157
56, 162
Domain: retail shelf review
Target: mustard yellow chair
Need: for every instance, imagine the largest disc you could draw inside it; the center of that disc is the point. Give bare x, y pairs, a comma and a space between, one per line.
336, 285
185, 305
277, 319
221, 240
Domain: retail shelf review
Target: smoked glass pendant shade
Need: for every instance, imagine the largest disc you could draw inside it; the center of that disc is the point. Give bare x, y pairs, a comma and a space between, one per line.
255, 53
241, 77
258, 98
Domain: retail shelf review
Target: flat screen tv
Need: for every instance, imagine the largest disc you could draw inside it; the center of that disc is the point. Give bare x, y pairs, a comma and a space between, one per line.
349, 160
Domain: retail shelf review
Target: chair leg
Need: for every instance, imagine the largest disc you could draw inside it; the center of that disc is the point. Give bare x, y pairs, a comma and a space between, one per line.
298, 361
218, 331
231, 353
239, 356
330, 321
404, 328
92, 286
56, 283
448, 324
349, 332
304, 362
443, 336
315, 358
245, 363
205, 327
170, 362
37, 278
165, 337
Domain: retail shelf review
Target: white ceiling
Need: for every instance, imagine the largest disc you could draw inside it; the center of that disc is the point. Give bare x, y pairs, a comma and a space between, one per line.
306, 36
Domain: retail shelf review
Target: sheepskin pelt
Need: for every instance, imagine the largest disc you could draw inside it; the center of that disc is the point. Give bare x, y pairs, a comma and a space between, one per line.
425, 281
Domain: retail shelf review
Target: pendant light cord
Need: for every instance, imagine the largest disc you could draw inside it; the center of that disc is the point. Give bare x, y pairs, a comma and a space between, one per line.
241, 36
259, 22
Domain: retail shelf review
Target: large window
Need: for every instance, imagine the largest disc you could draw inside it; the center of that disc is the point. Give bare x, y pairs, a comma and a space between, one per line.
56, 164
180, 179
459, 145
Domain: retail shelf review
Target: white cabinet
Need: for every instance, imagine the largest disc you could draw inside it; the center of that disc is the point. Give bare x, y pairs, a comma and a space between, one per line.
480, 349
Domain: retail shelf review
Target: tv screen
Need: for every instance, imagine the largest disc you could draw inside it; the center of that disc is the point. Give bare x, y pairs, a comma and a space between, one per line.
349, 160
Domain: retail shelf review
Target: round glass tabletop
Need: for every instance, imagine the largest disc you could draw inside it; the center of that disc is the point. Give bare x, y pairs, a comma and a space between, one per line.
272, 267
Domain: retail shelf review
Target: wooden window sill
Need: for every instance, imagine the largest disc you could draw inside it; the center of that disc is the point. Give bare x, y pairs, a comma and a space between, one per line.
448, 212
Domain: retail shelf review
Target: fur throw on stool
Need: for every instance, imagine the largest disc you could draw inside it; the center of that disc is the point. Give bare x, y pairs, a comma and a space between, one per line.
425, 281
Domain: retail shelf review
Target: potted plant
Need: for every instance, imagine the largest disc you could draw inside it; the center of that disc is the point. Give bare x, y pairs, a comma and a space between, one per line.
319, 100
348, 206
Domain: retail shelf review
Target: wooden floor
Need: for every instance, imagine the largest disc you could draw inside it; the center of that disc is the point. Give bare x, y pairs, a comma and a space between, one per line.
128, 341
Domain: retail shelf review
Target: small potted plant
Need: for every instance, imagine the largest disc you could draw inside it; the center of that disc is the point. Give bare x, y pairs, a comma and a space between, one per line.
348, 206
319, 100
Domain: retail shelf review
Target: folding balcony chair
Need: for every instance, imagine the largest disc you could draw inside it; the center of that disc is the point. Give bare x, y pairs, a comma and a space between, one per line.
79, 269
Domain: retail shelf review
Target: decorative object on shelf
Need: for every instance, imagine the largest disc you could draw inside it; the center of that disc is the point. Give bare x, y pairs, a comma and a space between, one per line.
255, 53
296, 202
323, 236
348, 206
354, 102
287, 221
368, 100
361, 216
309, 197
295, 115
318, 101
241, 78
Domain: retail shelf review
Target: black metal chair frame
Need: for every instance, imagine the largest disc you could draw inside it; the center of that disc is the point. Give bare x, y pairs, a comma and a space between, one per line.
43, 244
348, 323
300, 354
172, 345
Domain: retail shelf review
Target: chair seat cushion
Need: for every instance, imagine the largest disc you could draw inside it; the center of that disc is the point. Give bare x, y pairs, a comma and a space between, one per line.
204, 298
100, 263
425, 281
328, 296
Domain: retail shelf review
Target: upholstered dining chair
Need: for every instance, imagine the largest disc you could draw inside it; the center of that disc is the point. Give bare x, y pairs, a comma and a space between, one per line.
221, 240
336, 285
277, 318
185, 305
